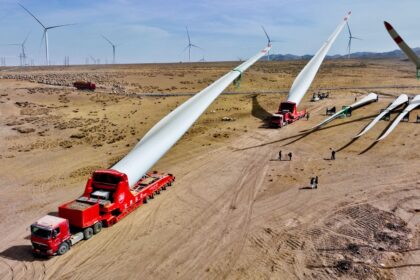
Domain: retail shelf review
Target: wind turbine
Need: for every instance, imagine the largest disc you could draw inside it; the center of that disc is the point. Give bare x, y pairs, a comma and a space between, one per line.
190, 45
45, 35
350, 38
23, 53
269, 41
113, 48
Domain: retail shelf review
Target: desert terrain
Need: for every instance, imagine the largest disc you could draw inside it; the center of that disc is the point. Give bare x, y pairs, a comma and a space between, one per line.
235, 211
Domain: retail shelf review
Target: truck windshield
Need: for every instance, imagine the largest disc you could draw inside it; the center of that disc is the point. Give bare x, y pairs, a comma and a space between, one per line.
41, 232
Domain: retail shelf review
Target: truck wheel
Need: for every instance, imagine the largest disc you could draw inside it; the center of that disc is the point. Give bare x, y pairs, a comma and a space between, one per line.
158, 191
87, 233
97, 227
164, 187
63, 248
152, 196
145, 200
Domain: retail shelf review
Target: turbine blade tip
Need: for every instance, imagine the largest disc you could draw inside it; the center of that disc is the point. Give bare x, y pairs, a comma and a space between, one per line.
388, 26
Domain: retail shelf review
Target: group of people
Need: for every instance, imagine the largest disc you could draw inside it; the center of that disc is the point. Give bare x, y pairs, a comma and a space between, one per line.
289, 155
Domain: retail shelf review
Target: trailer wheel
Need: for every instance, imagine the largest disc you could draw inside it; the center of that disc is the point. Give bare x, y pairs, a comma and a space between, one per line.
145, 200
97, 227
63, 248
164, 187
158, 191
152, 196
87, 233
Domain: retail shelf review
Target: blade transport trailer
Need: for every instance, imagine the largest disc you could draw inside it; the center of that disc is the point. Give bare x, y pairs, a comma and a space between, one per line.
288, 112
111, 194
106, 200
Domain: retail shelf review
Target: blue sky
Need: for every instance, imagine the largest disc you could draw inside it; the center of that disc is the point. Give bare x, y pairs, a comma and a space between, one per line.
154, 31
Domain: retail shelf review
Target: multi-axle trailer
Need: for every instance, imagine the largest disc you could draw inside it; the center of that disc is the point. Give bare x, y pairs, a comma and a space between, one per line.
107, 199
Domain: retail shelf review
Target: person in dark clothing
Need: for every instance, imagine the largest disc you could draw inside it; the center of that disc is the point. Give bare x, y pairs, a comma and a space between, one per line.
333, 155
279, 155
290, 155
307, 115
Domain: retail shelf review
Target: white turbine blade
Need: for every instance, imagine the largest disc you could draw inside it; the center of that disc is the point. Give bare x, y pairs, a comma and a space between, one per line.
32, 15
195, 46
188, 34
107, 40
348, 28
403, 98
403, 46
27, 36
266, 34
304, 80
61, 25
413, 104
171, 128
365, 100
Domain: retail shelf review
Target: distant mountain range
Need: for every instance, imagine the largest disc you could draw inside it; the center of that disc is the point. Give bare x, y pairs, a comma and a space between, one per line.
357, 55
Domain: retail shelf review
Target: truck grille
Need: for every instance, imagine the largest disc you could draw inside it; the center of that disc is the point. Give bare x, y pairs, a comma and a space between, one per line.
40, 247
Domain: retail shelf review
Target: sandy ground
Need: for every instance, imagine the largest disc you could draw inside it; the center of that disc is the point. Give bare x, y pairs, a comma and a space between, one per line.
235, 212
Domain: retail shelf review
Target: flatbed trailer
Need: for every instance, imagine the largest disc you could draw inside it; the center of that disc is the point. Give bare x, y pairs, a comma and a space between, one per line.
106, 200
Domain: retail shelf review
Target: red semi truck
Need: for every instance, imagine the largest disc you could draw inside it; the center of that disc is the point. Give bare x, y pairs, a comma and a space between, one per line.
84, 85
287, 114
107, 199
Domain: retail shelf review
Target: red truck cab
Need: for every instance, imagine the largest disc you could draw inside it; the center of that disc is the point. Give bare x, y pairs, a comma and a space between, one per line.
286, 114
50, 235
82, 85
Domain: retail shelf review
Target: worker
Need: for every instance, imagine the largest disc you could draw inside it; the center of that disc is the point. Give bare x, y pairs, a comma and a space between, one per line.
279, 155
290, 155
312, 182
316, 182
307, 116
333, 155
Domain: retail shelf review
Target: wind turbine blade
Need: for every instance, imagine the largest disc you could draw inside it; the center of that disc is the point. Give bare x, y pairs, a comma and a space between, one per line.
357, 38
348, 28
173, 126
107, 40
32, 15
27, 36
403, 46
188, 35
195, 46
415, 102
186, 48
371, 97
43, 36
403, 98
304, 80
61, 25
265, 32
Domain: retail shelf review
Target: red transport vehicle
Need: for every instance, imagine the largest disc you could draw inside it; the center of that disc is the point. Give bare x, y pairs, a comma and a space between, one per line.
107, 199
84, 85
287, 114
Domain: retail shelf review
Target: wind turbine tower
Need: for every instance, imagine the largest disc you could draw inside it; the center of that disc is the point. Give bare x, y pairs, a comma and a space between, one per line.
45, 35
113, 48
